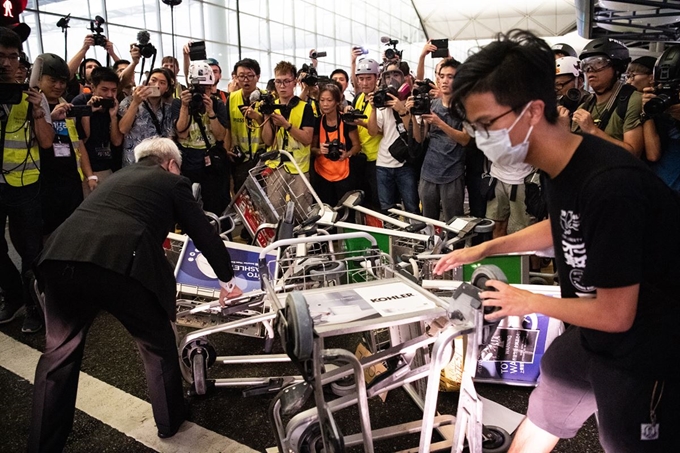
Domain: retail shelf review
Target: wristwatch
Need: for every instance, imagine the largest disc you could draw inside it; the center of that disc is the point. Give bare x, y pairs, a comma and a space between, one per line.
289, 128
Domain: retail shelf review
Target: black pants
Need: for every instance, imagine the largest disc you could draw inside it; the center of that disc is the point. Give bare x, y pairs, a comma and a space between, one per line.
75, 292
214, 187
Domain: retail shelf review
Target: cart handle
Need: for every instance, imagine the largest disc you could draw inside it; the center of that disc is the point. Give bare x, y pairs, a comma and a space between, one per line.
329, 238
270, 155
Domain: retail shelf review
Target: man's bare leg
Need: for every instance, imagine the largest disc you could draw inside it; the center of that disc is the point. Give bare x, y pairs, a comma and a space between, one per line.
529, 438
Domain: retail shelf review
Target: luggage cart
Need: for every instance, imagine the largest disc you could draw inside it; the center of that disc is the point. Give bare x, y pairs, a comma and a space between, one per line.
315, 430
280, 272
261, 201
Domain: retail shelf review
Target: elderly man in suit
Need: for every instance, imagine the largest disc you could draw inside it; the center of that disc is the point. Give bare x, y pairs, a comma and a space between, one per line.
108, 256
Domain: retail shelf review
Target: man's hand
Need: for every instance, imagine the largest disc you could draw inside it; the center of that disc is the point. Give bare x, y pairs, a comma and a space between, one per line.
429, 47
113, 111
186, 98
433, 120
563, 117
279, 120
61, 111
36, 99
140, 94
355, 53
93, 100
249, 112
208, 102
395, 103
186, 49
92, 184
585, 120
370, 99
135, 54
109, 47
512, 301
459, 257
226, 295
88, 42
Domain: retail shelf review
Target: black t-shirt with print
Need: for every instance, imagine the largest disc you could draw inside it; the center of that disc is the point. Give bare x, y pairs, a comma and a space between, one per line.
58, 162
615, 224
98, 143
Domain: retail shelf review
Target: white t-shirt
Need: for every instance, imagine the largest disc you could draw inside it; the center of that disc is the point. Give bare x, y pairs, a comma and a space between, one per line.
510, 174
388, 128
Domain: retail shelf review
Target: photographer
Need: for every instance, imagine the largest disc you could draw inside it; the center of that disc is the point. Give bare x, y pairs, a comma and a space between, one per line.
307, 80
661, 127
214, 66
201, 123
568, 76
366, 74
442, 176
334, 144
613, 113
246, 135
82, 67
24, 126
396, 179
291, 126
147, 113
100, 131
65, 165
342, 78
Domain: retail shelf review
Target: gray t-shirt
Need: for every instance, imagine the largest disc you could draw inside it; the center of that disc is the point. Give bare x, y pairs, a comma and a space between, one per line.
445, 158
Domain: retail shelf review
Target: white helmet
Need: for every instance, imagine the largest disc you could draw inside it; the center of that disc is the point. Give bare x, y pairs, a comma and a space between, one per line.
568, 65
200, 73
367, 66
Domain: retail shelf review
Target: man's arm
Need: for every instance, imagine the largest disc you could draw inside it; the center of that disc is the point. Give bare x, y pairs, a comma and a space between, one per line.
85, 165
420, 71
268, 131
127, 120
128, 75
183, 119
373, 127
534, 237
110, 50
116, 136
74, 62
44, 132
633, 139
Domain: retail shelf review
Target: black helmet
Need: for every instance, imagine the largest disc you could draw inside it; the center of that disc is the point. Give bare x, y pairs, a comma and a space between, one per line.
55, 66
564, 49
667, 69
615, 50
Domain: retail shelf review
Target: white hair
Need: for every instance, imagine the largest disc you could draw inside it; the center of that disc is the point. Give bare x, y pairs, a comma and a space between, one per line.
162, 149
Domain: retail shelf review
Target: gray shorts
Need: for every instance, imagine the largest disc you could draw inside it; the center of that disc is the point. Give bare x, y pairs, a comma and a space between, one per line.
574, 384
502, 208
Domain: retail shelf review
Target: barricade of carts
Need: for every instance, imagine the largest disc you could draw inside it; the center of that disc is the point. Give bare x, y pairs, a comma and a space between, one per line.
304, 285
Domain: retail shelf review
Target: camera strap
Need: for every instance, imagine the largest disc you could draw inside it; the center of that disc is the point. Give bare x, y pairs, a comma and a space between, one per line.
402, 130
154, 118
201, 127
3, 122
339, 129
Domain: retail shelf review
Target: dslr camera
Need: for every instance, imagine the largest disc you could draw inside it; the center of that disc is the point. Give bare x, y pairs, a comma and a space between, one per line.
267, 105
421, 98
196, 103
312, 77
145, 47
380, 97
571, 100
352, 115
104, 103
97, 31
666, 81
335, 149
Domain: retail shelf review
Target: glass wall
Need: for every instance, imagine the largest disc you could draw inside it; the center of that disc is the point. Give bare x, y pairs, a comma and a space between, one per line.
270, 30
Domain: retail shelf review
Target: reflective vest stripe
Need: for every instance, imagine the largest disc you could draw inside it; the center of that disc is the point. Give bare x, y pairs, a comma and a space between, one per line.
300, 153
20, 162
239, 126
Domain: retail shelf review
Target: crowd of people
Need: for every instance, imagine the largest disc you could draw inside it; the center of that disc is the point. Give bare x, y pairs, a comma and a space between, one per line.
401, 138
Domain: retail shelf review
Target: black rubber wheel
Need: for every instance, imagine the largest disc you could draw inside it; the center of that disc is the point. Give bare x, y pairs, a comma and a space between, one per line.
498, 440
199, 371
487, 272
311, 440
300, 325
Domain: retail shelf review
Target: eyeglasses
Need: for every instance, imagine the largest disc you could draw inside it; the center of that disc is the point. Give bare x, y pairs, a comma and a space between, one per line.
472, 128
595, 64
560, 85
245, 77
631, 75
10, 58
283, 83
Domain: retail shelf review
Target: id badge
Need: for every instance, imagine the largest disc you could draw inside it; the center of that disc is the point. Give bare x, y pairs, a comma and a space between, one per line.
103, 153
649, 431
62, 150
207, 161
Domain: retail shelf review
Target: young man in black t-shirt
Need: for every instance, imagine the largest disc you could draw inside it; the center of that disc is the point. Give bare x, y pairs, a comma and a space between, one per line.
615, 230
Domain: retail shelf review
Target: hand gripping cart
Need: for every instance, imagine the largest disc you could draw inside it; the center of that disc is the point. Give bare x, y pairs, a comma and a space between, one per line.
315, 430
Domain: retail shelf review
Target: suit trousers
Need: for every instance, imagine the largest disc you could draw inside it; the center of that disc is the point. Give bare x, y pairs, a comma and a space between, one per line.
74, 294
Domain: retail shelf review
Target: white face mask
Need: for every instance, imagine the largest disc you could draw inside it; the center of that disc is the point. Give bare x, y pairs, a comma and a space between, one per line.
497, 145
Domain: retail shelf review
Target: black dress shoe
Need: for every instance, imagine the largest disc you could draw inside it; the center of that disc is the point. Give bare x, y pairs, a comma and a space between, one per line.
167, 434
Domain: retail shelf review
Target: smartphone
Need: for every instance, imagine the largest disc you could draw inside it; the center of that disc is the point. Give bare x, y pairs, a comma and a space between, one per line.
442, 48
12, 93
106, 104
78, 111
36, 73
154, 92
363, 51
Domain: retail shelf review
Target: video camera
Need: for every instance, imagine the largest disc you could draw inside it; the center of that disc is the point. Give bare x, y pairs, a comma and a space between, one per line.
380, 97
268, 106
666, 81
97, 31
421, 97
145, 47
352, 115
335, 149
314, 54
571, 100
196, 103
312, 77
392, 53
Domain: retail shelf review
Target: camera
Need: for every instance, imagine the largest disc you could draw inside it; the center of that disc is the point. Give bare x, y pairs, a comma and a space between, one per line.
267, 105
352, 115
335, 149
196, 103
78, 111
666, 81
314, 55
97, 31
392, 53
423, 86
11, 93
197, 51
380, 97
421, 104
312, 77
571, 100
145, 47
104, 103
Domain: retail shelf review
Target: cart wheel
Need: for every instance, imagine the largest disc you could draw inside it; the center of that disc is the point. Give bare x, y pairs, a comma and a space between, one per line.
311, 440
301, 326
199, 371
343, 387
498, 440
487, 272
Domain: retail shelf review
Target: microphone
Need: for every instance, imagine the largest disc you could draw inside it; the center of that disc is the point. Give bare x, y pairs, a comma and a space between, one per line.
254, 96
143, 37
385, 39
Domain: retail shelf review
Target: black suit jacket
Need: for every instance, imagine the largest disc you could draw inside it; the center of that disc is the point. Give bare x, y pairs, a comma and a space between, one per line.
122, 225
